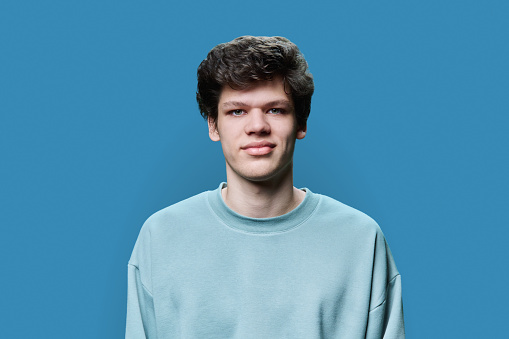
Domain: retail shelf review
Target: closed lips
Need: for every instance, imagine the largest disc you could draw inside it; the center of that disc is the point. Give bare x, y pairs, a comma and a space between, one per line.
259, 145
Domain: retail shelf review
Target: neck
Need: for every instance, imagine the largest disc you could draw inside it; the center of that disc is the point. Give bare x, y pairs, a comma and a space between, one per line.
262, 199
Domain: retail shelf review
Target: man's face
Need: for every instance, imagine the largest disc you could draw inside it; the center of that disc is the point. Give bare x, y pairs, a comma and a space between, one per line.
257, 128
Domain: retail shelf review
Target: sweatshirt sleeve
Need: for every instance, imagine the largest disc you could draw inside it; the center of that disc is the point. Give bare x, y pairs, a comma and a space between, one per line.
140, 322
385, 319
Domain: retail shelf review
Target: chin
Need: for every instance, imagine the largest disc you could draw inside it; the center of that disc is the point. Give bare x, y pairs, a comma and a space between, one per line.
259, 173
260, 176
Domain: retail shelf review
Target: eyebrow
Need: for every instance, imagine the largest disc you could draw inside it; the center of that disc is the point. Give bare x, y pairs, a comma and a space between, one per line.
233, 104
268, 104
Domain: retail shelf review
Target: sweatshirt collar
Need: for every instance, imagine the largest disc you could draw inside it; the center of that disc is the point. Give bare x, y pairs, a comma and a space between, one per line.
279, 224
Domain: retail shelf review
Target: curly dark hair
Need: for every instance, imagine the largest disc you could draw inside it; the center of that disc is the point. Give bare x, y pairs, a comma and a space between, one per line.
248, 59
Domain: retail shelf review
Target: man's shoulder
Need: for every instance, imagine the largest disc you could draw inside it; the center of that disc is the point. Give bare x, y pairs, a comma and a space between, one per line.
168, 223
340, 214
179, 212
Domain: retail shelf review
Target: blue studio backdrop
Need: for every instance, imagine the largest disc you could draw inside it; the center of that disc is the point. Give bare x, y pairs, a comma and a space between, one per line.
99, 128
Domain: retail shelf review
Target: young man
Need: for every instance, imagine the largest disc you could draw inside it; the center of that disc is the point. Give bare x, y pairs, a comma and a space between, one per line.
257, 257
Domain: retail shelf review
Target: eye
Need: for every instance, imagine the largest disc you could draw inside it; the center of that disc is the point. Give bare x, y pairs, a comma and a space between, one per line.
236, 112
276, 111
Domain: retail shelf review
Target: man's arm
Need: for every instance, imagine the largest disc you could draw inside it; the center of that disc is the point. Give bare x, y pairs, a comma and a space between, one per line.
140, 321
386, 320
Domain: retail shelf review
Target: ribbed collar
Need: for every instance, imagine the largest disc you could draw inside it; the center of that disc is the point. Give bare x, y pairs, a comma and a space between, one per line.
278, 224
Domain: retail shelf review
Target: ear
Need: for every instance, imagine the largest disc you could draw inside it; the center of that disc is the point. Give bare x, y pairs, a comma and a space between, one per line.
301, 132
213, 133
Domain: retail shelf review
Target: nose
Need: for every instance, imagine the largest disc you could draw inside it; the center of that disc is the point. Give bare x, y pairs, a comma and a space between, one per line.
257, 123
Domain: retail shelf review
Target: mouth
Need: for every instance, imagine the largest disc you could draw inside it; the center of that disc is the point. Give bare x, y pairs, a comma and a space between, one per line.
258, 148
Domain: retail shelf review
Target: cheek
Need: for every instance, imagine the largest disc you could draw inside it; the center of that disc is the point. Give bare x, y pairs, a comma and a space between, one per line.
228, 144
291, 134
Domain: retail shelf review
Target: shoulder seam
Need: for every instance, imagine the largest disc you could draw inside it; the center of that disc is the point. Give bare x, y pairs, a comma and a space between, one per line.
385, 298
142, 284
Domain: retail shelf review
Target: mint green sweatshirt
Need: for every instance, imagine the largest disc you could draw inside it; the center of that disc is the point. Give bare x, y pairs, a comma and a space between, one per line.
323, 270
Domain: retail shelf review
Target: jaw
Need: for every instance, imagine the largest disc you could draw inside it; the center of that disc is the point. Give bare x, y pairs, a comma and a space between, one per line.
260, 174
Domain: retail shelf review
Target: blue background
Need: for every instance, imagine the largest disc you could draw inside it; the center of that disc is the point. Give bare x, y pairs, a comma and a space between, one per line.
99, 129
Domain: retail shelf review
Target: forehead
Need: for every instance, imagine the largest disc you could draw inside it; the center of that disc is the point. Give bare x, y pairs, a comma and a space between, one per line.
259, 93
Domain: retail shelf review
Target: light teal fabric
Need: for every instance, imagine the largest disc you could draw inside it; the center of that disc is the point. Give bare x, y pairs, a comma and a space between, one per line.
324, 270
